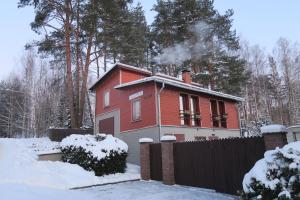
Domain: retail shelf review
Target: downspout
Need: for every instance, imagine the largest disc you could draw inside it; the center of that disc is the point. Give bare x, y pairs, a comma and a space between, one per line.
239, 118
159, 110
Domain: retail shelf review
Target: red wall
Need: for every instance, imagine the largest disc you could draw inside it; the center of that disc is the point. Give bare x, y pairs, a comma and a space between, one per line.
169, 106
119, 99
128, 76
148, 107
233, 118
170, 109
108, 83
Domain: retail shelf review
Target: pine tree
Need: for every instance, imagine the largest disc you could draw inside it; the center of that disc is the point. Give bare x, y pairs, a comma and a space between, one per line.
205, 35
134, 43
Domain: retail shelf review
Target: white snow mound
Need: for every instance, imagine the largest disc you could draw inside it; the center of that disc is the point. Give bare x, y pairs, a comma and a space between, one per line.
19, 165
99, 149
260, 169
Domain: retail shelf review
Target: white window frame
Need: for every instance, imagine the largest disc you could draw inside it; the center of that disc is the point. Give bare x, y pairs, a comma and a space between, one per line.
136, 113
181, 108
106, 98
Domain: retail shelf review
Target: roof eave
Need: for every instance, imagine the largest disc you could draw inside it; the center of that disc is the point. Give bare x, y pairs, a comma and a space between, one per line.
201, 90
129, 67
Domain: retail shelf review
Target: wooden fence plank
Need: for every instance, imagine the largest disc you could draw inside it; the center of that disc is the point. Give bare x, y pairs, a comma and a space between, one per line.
218, 164
155, 162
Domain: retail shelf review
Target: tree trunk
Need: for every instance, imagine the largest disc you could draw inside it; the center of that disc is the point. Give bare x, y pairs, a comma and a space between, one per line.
84, 79
90, 109
77, 75
70, 94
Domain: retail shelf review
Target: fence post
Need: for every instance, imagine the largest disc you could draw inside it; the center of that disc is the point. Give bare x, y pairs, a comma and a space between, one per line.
145, 157
274, 136
168, 175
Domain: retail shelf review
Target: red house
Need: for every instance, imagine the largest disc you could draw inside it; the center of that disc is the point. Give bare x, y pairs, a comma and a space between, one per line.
131, 103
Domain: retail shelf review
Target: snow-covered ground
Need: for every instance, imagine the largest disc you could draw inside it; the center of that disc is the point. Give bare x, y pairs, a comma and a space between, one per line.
19, 165
138, 190
23, 177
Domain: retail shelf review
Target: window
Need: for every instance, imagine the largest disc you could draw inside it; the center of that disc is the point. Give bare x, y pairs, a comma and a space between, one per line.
106, 98
195, 114
214, 113
218, 114
136, 110
184, 109
223, 114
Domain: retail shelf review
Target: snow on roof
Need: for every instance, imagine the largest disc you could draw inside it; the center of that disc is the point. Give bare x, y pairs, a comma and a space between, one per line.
123, 66
273, 128
169, 77
180, 85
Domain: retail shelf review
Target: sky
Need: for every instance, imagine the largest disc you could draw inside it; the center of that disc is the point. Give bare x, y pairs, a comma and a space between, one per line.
260, 22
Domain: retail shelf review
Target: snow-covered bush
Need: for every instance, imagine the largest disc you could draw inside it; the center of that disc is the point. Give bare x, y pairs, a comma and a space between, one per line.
103, 154
276, 176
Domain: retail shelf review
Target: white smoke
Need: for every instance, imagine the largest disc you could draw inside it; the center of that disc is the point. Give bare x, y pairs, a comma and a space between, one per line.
190, 49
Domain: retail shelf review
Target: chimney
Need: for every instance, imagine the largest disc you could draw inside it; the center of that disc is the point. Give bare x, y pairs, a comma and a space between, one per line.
186, 76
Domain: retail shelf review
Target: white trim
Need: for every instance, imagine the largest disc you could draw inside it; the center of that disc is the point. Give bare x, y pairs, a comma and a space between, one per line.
114, 110
136, 95
137, 129
107, 91
133, 109
180, 85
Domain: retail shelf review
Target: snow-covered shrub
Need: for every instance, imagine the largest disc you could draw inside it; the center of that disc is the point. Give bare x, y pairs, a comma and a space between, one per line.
103, 154
276, 176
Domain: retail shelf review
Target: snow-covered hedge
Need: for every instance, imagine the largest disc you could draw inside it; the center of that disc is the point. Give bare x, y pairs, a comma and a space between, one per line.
103, 154
276, 176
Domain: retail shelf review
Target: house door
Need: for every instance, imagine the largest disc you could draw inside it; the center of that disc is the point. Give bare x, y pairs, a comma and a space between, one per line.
107, 126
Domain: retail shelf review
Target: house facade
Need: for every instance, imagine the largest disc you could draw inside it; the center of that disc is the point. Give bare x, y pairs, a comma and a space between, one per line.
131, 103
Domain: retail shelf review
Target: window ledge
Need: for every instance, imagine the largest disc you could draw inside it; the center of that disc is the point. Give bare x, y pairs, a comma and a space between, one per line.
138, 120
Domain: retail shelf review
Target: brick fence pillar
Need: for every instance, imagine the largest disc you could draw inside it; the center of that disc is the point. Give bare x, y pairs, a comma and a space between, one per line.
145, 157
274, 138
168, 160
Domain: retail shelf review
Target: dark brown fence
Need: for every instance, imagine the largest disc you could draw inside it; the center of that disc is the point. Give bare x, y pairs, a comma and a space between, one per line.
155, 162
218, 164
59, 134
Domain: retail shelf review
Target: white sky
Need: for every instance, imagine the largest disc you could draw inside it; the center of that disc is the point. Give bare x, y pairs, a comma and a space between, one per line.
259, 22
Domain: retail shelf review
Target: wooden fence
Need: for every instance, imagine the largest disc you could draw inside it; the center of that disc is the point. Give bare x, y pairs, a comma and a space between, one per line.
218, 164
155, 162
59, 134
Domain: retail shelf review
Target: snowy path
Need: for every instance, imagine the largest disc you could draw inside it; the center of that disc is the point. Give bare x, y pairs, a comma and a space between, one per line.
152, 190
126, 191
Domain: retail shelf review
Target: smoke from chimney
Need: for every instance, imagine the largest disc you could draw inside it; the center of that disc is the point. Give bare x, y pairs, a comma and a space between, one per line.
189, 49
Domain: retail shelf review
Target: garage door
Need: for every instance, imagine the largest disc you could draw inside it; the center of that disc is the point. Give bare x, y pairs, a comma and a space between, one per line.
107, 126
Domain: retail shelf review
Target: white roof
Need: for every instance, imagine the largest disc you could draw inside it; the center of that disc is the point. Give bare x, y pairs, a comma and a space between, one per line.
273, 128
179, 84
123, 66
